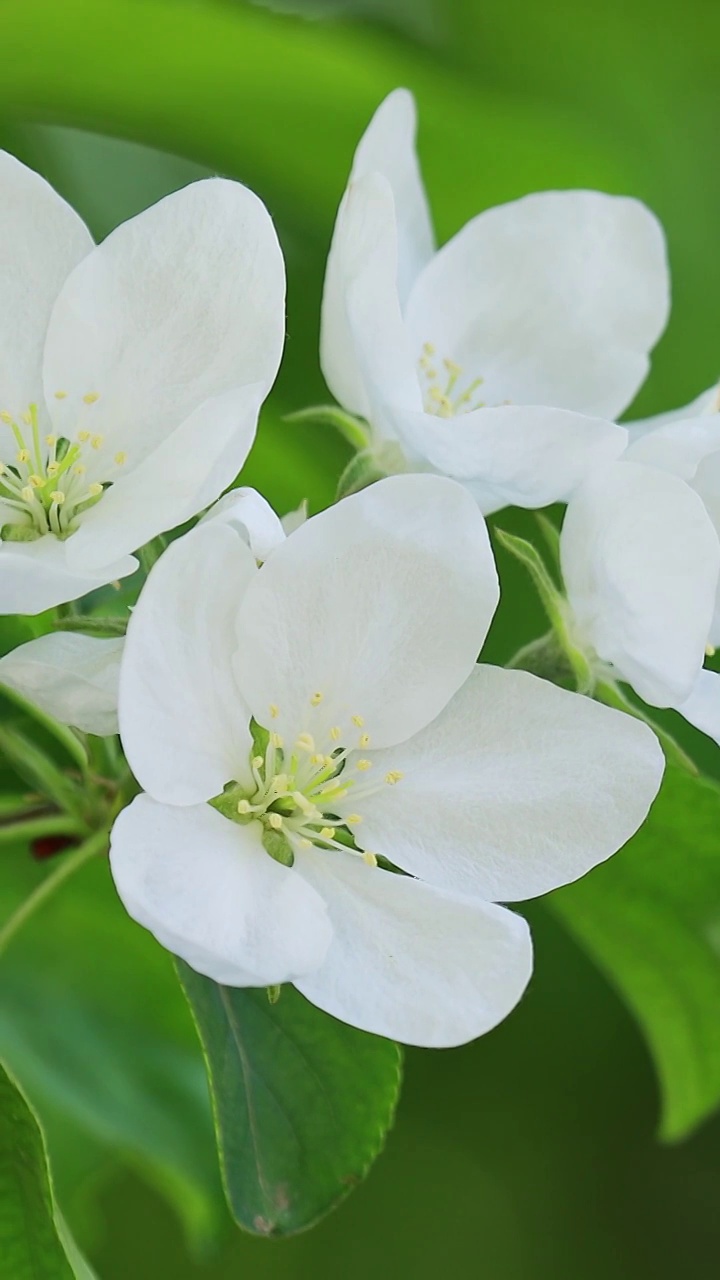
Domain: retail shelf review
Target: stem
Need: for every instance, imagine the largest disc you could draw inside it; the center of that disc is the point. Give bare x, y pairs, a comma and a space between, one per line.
64, 870
352, 428
61, 732
56, 824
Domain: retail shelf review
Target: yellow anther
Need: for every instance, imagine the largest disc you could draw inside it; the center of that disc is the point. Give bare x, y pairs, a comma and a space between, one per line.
710, 650
243, 806
79, 470
327, 833
453, 369
96, 442
428, 349
120, 459
335, 733
23, 455
258, 762
91, 397
393, 777
95, 490
359, 721
305, 742
281, 783
316, 700
53, 468
37, 482
370, 858
28, 494
60, 395
51, 441
27, 418
305, 843
276, 739
275, 820
58, 497
353, 819
83, 436
363, 765
364, 740
5, 416
317, 759
274, 710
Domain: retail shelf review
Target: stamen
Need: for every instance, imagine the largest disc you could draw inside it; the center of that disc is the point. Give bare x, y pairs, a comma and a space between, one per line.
352, 819
370, 858
359, 721
91, 397
316, 699
364, 740
305, 742
60, 395
275, 820
364, 765
120, 459
394, 777
274, 710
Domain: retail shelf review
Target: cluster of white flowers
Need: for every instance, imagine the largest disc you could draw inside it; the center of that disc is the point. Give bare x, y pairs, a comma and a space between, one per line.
334, 792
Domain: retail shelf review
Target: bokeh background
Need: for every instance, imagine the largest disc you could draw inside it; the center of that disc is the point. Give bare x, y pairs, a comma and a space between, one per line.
532, 1154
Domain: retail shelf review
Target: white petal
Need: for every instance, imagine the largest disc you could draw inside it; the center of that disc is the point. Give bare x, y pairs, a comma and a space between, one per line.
554, 299
388, 147
41, 240
702, 708
183, 722
679, 447
35, 576
522, 456
516, 788
412, 962
207, 890
363, 343
381, 604
73, 678
180, 477
247, 512
176, 306
706, 403
640, 559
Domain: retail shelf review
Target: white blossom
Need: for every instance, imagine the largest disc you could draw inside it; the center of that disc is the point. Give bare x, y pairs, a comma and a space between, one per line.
640, 561
131, 375
303, 727
503, 358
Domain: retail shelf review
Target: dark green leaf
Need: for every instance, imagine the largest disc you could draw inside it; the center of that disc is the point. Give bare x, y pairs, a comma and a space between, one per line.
650, 917
35, 1243
302, 1102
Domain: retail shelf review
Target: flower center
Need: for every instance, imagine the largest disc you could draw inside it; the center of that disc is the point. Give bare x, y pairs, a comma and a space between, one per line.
446, 394
47, 485
304, 789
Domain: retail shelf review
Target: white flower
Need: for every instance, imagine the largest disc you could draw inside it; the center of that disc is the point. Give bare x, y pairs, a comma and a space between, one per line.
352, 650
499, 358
75, 677
640, 561
686, 443
131, 374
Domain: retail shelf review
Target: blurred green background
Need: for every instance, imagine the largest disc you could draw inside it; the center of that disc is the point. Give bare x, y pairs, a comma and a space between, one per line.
530, 1155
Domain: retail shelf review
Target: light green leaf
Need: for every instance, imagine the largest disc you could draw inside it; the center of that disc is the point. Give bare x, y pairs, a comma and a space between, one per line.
650, 918
302, 1102
35, 1242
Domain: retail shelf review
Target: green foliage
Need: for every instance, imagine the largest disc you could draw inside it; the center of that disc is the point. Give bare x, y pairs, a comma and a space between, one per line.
302, 1102
650, 917
35, 1243
93, 1024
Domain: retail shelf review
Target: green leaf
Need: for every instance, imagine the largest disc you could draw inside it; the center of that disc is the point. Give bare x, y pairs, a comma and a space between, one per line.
94, 1026
302, 1102
35, 1243
650, 918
